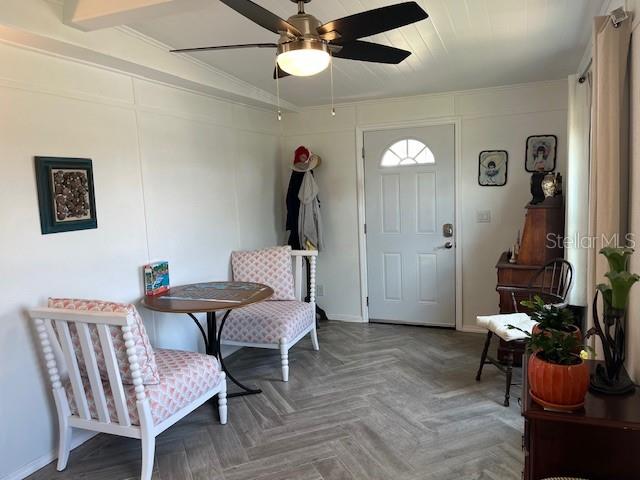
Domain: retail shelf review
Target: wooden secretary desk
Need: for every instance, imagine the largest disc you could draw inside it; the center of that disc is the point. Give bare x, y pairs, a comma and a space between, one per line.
540, 243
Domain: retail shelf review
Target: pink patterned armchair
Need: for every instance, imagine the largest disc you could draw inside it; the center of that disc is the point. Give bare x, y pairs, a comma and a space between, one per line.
105, 376
284, 319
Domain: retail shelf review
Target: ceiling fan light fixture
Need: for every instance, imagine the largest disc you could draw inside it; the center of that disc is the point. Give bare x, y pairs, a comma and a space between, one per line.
303, 58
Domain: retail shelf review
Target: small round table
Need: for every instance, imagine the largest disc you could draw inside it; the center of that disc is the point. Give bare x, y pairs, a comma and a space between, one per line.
209, 298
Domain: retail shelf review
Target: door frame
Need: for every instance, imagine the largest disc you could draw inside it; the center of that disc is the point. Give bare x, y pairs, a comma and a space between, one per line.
362, 239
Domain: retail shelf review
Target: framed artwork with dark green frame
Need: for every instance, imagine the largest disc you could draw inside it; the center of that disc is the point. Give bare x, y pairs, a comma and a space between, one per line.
65, 194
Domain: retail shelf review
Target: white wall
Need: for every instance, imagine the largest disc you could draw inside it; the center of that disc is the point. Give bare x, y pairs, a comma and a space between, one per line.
495, 118
178, 176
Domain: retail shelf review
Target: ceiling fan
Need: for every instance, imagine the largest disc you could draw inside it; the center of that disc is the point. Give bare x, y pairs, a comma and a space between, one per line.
306, 45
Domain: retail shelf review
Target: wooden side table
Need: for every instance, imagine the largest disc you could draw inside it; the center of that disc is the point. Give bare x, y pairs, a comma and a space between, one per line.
599, 442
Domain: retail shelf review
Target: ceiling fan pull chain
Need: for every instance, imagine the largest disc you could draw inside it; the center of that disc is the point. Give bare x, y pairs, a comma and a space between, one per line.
278, 90
333, 108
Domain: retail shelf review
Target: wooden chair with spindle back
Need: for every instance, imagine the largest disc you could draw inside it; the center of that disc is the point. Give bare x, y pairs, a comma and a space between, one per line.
552, 282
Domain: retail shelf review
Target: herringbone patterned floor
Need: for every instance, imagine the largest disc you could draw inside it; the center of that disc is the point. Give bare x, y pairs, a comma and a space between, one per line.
377, 402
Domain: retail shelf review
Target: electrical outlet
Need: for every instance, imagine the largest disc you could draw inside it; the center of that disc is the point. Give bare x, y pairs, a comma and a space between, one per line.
483, 216
320, 290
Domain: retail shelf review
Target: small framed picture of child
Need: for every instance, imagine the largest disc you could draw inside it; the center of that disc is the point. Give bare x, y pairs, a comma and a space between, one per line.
541, 153
492, 168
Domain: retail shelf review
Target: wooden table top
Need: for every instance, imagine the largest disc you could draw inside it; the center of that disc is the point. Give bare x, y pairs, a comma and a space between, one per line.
208, 297
616, 411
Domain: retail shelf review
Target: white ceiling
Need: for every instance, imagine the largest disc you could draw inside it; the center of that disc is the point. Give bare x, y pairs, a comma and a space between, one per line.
463, 44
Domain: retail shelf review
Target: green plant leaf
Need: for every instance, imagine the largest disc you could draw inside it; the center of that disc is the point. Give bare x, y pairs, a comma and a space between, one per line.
549, 316
555, 346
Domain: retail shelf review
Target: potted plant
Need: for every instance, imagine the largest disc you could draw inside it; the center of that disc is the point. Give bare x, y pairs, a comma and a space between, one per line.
551, 317
558, 376
612, 378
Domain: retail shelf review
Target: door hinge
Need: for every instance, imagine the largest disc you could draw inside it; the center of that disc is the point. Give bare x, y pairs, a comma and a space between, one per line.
367, 301
365, 228
363, 152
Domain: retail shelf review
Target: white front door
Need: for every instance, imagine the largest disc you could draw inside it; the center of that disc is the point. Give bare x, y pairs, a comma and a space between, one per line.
409, 204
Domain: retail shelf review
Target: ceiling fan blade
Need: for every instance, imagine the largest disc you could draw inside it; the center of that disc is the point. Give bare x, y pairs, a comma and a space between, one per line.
225, 47
279, 72
262, 16
372, 22
371, 52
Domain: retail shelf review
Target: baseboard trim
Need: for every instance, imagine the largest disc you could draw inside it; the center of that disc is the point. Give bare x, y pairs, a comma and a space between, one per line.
345, 318
79, 438
473, 329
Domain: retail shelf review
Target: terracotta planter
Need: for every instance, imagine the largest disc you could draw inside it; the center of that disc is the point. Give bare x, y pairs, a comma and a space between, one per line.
559, 387
575, 331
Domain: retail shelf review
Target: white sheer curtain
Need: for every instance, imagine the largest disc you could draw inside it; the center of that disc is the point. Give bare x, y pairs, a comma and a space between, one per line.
577, 185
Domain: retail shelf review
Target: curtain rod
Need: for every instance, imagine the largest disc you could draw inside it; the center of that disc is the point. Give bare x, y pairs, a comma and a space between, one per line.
617, 16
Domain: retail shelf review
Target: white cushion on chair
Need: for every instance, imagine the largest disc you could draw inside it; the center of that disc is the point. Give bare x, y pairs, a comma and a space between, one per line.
268, 322
184, 377
498, 324
271, 267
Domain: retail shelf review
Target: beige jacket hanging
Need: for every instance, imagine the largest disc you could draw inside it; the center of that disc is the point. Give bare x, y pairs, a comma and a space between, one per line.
309, 219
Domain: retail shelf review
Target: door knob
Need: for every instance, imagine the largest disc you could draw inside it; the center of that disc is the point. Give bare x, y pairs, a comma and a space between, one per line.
447, 245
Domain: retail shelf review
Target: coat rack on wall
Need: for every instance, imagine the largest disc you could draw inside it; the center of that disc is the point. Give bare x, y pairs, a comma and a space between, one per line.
303, 220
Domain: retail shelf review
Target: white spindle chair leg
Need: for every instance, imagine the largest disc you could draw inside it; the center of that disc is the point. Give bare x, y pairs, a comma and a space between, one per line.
312, 299
142, 403
222, 399
59, 396
314, 338
64, 430
148, 453
284, 358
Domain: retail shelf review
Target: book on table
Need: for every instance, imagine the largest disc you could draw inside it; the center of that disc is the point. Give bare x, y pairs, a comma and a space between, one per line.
156, 278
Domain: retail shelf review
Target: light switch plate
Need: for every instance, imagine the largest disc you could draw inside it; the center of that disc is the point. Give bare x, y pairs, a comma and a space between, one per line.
483, 216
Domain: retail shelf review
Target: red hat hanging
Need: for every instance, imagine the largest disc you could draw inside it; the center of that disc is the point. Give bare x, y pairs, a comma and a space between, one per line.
304, 160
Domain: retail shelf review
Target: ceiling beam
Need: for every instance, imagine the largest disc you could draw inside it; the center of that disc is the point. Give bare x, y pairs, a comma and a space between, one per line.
89, 15
36, 25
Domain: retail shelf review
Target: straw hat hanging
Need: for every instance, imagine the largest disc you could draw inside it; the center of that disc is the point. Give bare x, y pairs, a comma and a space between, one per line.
304, 160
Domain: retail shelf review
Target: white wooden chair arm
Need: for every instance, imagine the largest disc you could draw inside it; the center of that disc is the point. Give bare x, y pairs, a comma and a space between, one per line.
304, 253
297, 256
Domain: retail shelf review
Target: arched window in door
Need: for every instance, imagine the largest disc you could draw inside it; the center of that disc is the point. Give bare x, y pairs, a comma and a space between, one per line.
407, 152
